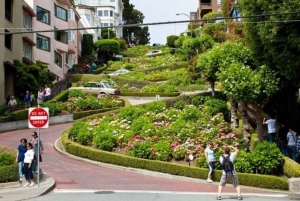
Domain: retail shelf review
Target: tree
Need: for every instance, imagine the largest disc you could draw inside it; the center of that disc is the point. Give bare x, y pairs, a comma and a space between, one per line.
134, 16
107, 33
31, 77
171, 40
210, 62
251, 88
88, 53
276, 43
107, 48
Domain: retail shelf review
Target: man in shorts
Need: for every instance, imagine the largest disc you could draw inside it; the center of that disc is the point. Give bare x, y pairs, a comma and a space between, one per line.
229, 175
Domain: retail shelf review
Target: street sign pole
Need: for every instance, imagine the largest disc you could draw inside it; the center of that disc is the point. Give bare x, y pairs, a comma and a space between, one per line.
38, 118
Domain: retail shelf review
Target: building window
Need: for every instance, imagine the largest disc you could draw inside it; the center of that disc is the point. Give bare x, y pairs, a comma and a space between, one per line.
8, 40
8, 10
111, 24
71, 15
88, 17
27, 51
106, 13
111, 13
57, 59
27, 21
42, 15
100, 13
219, 1
61, 36
112, 0
104, 24
42, 42
60, 13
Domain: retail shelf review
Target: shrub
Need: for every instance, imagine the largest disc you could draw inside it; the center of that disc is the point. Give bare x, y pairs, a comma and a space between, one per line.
191, 113
55, 107
215, 106
6, 159
79, 133
198, 100
20, 114
266, 158
242, 163
142, 126
76, 93
129, 66
179, 153
156, 107
163, 150
180, 105
171, 40
105, 141
128, 113
142, 150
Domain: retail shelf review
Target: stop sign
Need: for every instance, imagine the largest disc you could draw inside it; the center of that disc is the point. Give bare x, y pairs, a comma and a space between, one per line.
38, 118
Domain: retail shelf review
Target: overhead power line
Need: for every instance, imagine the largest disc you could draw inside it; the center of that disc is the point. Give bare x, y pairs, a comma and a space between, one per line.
159, 23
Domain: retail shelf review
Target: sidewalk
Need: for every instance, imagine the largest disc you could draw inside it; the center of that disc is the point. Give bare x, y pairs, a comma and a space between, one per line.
16, 191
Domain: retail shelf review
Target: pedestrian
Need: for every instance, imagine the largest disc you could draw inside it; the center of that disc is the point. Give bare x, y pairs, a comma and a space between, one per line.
12, 104
28, 162
229, 172
22, 149
47, 93
35, 141
32, 99
27, 100
40, 97
271, 128
292, 140
282, 132
298, 147
210, 159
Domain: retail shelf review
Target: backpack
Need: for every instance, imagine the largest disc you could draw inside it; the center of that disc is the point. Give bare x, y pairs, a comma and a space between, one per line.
227, 164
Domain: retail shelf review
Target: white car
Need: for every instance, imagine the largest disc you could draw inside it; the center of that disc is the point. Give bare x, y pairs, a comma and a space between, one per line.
96, 88
118, 72
153, 53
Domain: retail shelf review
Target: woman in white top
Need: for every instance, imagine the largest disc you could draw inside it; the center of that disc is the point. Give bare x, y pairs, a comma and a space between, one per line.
210, 159
28, 160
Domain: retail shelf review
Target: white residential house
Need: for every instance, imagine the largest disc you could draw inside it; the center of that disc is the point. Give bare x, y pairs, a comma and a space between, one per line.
110, 12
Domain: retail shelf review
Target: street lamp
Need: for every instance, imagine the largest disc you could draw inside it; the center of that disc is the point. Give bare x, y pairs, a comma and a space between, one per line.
187, 16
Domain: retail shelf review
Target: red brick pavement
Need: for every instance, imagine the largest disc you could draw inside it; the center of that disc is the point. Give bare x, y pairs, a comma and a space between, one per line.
73, 174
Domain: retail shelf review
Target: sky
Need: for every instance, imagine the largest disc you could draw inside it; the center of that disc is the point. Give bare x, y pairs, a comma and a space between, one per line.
164, 11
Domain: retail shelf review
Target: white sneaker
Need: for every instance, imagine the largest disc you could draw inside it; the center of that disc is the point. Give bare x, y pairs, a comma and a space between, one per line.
32, 184
210, 181
26, 184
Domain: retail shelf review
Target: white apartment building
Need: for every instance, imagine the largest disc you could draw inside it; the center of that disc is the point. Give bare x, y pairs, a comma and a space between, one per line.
110, 12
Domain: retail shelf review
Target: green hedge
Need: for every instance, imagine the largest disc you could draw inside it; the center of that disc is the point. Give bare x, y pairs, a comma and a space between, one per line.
62, 96
82, 114
263, 181
20, 115
149, 94
291, 168
9, 173
7, 119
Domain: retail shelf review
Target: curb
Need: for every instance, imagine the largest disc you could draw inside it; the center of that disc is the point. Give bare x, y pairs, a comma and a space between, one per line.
151, 173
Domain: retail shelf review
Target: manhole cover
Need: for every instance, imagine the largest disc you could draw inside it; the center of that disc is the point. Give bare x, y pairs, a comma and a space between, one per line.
104, 192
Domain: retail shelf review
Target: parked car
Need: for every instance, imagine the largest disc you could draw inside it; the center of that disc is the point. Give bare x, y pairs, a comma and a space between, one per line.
118, 72
97, 88
153, 53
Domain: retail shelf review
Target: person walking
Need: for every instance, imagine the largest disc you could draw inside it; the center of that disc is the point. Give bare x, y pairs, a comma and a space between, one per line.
282, 132
28, 161
292, 140
27, 100
35, 141
210, 159
47, 93
271, 123
229, 172
22, 149
32, 98
40, 97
